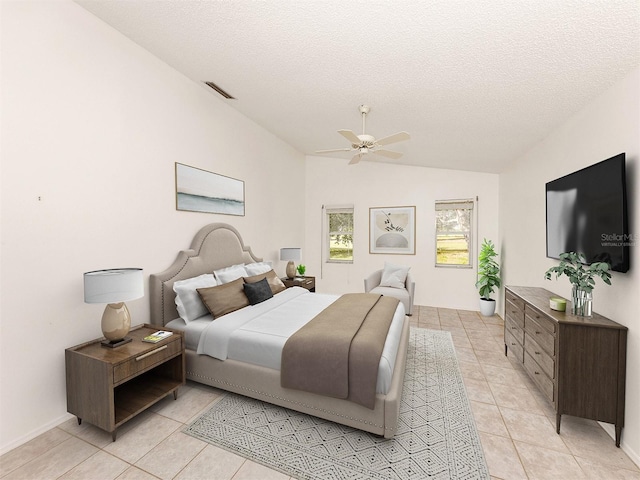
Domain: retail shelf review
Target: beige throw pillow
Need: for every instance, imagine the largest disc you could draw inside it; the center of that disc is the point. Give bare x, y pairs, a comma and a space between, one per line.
274, 282
225, 298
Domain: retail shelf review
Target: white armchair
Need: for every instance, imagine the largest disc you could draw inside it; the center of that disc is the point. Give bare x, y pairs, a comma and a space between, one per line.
405, 295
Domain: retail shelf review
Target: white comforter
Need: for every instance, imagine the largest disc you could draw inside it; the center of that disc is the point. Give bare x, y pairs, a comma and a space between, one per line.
257, 334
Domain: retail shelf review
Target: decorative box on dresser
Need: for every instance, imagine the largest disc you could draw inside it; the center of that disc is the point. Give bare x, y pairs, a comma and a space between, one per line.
109, 386
579, 363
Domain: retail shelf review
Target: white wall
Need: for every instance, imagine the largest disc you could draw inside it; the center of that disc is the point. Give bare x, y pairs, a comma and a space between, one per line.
91, 127
331, 181
609, 125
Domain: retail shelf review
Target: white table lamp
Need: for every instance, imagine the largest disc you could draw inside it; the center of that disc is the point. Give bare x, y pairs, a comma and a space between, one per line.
114, 287
291, 254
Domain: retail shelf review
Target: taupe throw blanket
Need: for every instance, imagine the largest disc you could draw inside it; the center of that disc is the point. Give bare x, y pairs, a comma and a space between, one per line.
338, 352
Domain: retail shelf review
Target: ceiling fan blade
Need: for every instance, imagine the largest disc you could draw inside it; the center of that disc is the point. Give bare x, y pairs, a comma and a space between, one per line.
335, 150
387, 153
356, 158
349, 135
396, 137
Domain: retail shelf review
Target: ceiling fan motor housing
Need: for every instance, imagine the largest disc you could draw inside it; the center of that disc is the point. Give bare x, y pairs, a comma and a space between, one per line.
365, 141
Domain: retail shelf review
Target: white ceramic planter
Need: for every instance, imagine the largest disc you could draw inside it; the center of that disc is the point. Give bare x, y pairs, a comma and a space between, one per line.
487, 307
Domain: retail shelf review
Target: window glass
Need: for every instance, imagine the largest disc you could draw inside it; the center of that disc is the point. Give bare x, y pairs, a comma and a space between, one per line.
454, 226
339, 240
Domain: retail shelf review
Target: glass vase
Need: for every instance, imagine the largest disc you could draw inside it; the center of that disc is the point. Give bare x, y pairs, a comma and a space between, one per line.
581, 302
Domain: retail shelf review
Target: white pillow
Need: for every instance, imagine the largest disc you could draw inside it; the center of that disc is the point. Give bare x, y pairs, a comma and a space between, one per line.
229, 274
257, 268
394, 275
188, 302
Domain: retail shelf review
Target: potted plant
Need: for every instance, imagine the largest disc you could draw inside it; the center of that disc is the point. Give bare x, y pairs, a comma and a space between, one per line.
301, 269
572, 265
488, 277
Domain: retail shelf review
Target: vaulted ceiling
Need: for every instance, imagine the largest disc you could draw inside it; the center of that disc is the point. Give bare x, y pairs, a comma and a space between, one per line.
476, 83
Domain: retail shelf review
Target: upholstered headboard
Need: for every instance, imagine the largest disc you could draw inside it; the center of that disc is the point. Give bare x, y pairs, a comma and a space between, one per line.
215, 246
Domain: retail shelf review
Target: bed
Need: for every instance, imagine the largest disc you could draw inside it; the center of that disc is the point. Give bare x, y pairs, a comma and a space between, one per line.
219, 245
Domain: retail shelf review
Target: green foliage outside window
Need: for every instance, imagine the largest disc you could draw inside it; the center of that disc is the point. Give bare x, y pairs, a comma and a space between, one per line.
453, 234
341, 236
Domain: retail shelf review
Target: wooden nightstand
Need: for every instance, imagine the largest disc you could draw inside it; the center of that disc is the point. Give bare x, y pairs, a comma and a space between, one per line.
108, 387
305, 282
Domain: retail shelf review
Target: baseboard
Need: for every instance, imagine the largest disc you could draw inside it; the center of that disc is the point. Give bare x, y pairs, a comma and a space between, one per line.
611, 431
34, 433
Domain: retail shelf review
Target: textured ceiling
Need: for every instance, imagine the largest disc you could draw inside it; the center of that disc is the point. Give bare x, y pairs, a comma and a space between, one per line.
476, 83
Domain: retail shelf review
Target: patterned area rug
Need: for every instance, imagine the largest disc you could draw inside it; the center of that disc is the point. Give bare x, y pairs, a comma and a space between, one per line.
437, 437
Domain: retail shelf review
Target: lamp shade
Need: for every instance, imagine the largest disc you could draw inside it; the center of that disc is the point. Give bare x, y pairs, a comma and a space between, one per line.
294, 254
113, 286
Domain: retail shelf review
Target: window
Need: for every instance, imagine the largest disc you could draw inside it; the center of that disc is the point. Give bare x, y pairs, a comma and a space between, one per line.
339, 237
454, 225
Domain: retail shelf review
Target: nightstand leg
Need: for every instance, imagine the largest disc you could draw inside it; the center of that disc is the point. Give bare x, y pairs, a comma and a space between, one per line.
113, 435
175, 394
618, 435
558, 418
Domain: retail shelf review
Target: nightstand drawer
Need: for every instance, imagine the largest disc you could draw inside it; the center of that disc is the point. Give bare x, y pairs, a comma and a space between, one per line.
307, 283
145, 360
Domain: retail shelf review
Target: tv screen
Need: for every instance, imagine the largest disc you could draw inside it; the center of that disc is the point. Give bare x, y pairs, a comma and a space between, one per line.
587, 213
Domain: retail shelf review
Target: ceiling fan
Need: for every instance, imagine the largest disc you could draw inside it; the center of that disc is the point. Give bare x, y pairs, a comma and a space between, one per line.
364, 144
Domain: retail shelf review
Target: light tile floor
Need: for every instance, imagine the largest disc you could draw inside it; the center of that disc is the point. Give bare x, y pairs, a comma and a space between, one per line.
516, 425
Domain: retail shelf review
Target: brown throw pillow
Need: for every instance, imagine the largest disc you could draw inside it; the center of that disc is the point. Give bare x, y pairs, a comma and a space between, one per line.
225, 298
274, 282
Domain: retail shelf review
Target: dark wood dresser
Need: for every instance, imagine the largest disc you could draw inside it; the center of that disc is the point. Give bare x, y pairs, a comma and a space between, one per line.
579, 363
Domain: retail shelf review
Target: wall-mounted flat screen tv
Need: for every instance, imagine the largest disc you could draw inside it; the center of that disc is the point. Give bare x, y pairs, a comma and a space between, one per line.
587, 213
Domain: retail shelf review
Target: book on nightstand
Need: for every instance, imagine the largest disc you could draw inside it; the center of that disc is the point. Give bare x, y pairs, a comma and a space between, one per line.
157, 336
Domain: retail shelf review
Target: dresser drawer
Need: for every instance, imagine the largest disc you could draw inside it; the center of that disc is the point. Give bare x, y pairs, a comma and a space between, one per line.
141, 362
541, 357
537, 374
515, 330
513, 345
542, 320
514, 311
542, 337
515, 300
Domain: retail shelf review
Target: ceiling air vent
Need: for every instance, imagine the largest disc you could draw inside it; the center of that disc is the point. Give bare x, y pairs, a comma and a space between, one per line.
219, 90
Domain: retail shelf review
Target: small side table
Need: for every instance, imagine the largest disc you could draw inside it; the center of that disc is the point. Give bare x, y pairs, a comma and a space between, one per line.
305, 282
108, 387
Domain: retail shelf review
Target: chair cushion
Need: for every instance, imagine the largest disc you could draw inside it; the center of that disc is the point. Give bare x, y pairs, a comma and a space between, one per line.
394, 275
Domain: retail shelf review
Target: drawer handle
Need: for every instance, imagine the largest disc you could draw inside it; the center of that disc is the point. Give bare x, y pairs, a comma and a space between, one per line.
513, 344
152, 352
514, 328
537, 353
537, 332
537, 373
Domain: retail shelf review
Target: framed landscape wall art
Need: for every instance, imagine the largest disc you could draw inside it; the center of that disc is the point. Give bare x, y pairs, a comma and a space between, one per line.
392, 230
201, 191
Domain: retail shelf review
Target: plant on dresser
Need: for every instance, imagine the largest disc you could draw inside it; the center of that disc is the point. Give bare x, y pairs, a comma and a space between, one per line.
582, 279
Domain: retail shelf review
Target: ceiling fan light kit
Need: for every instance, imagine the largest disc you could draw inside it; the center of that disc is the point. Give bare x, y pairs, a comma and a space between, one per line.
364, 144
